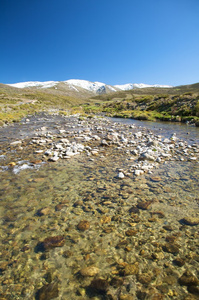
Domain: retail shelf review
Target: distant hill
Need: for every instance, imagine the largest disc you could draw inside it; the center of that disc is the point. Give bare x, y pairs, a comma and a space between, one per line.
179, 103
80, 88
142, 101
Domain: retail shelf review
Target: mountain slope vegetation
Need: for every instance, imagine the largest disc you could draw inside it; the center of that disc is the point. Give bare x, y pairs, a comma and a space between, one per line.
166, 104
152, 103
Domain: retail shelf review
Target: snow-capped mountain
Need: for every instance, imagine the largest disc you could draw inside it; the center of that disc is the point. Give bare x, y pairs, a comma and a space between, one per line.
27, 84
130, 86
79, 85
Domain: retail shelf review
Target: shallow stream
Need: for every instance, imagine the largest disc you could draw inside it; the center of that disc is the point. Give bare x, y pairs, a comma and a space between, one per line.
134, 241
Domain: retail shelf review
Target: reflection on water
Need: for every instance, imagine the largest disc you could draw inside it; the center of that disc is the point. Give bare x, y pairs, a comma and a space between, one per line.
139, 238
188, 133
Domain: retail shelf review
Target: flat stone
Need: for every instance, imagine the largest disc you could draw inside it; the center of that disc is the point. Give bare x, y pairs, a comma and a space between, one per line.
191, 221
50, 242
89, 271
171, 248
144, 205
131, 232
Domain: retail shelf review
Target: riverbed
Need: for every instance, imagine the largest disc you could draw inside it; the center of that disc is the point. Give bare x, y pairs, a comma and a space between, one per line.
99, 209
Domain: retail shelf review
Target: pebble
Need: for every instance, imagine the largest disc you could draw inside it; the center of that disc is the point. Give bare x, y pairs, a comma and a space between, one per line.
171, 248
83, 225
43, 211
144, 205
89, 271
131, 269
120, 175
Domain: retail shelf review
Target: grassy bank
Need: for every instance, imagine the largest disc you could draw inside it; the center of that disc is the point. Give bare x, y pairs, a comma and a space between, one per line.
164, 107
15, 104
180, 104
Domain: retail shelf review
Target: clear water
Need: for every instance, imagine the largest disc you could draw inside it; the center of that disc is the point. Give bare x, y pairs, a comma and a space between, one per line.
86, 188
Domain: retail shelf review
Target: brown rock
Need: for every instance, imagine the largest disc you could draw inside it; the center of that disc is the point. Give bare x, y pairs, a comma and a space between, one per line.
194, 290
171, 248
188, 279
48, 291
134, 210
131, 269
51, 242
160, 214
126, 297
122, 244
35, 162
99, 285
60, 206
144, 205
144, 278
78, 203
156, 178
191, 221
105, 220
89, 271
83, 225
168, 227
116, 282
131, 232
43, 211
12, 164
171, 238
179, 262
3, 265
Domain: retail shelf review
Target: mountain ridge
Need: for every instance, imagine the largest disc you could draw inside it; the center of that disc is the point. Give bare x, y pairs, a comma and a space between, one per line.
79, 84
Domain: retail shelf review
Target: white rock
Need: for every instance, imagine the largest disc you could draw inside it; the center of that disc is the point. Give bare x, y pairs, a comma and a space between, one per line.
138, 172
54, 158
120, 175
16, 143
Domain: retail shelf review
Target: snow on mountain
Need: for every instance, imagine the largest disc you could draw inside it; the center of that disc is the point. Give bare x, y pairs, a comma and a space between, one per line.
45, 84
87, 85
130, 86
78, 84
125, 87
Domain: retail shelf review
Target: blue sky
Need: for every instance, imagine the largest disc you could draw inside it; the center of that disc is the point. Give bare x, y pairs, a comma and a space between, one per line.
116, 42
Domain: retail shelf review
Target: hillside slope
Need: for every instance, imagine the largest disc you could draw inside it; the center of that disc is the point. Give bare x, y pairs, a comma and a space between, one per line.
174, 104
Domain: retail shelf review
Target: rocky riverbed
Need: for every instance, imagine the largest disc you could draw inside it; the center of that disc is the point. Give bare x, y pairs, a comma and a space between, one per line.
94, 209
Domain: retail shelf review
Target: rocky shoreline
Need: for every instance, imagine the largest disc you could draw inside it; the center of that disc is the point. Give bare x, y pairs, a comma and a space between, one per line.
144, 149
93, 209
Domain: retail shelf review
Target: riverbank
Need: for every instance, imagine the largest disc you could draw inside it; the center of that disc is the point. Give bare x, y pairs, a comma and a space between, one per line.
96, 209
148, 105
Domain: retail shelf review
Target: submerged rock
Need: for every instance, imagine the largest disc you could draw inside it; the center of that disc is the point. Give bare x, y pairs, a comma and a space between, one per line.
171, 248
48, 291
83, 225
89, 271
99, 285
188, 279
191, 221
131, 269
50, 242
144, 205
